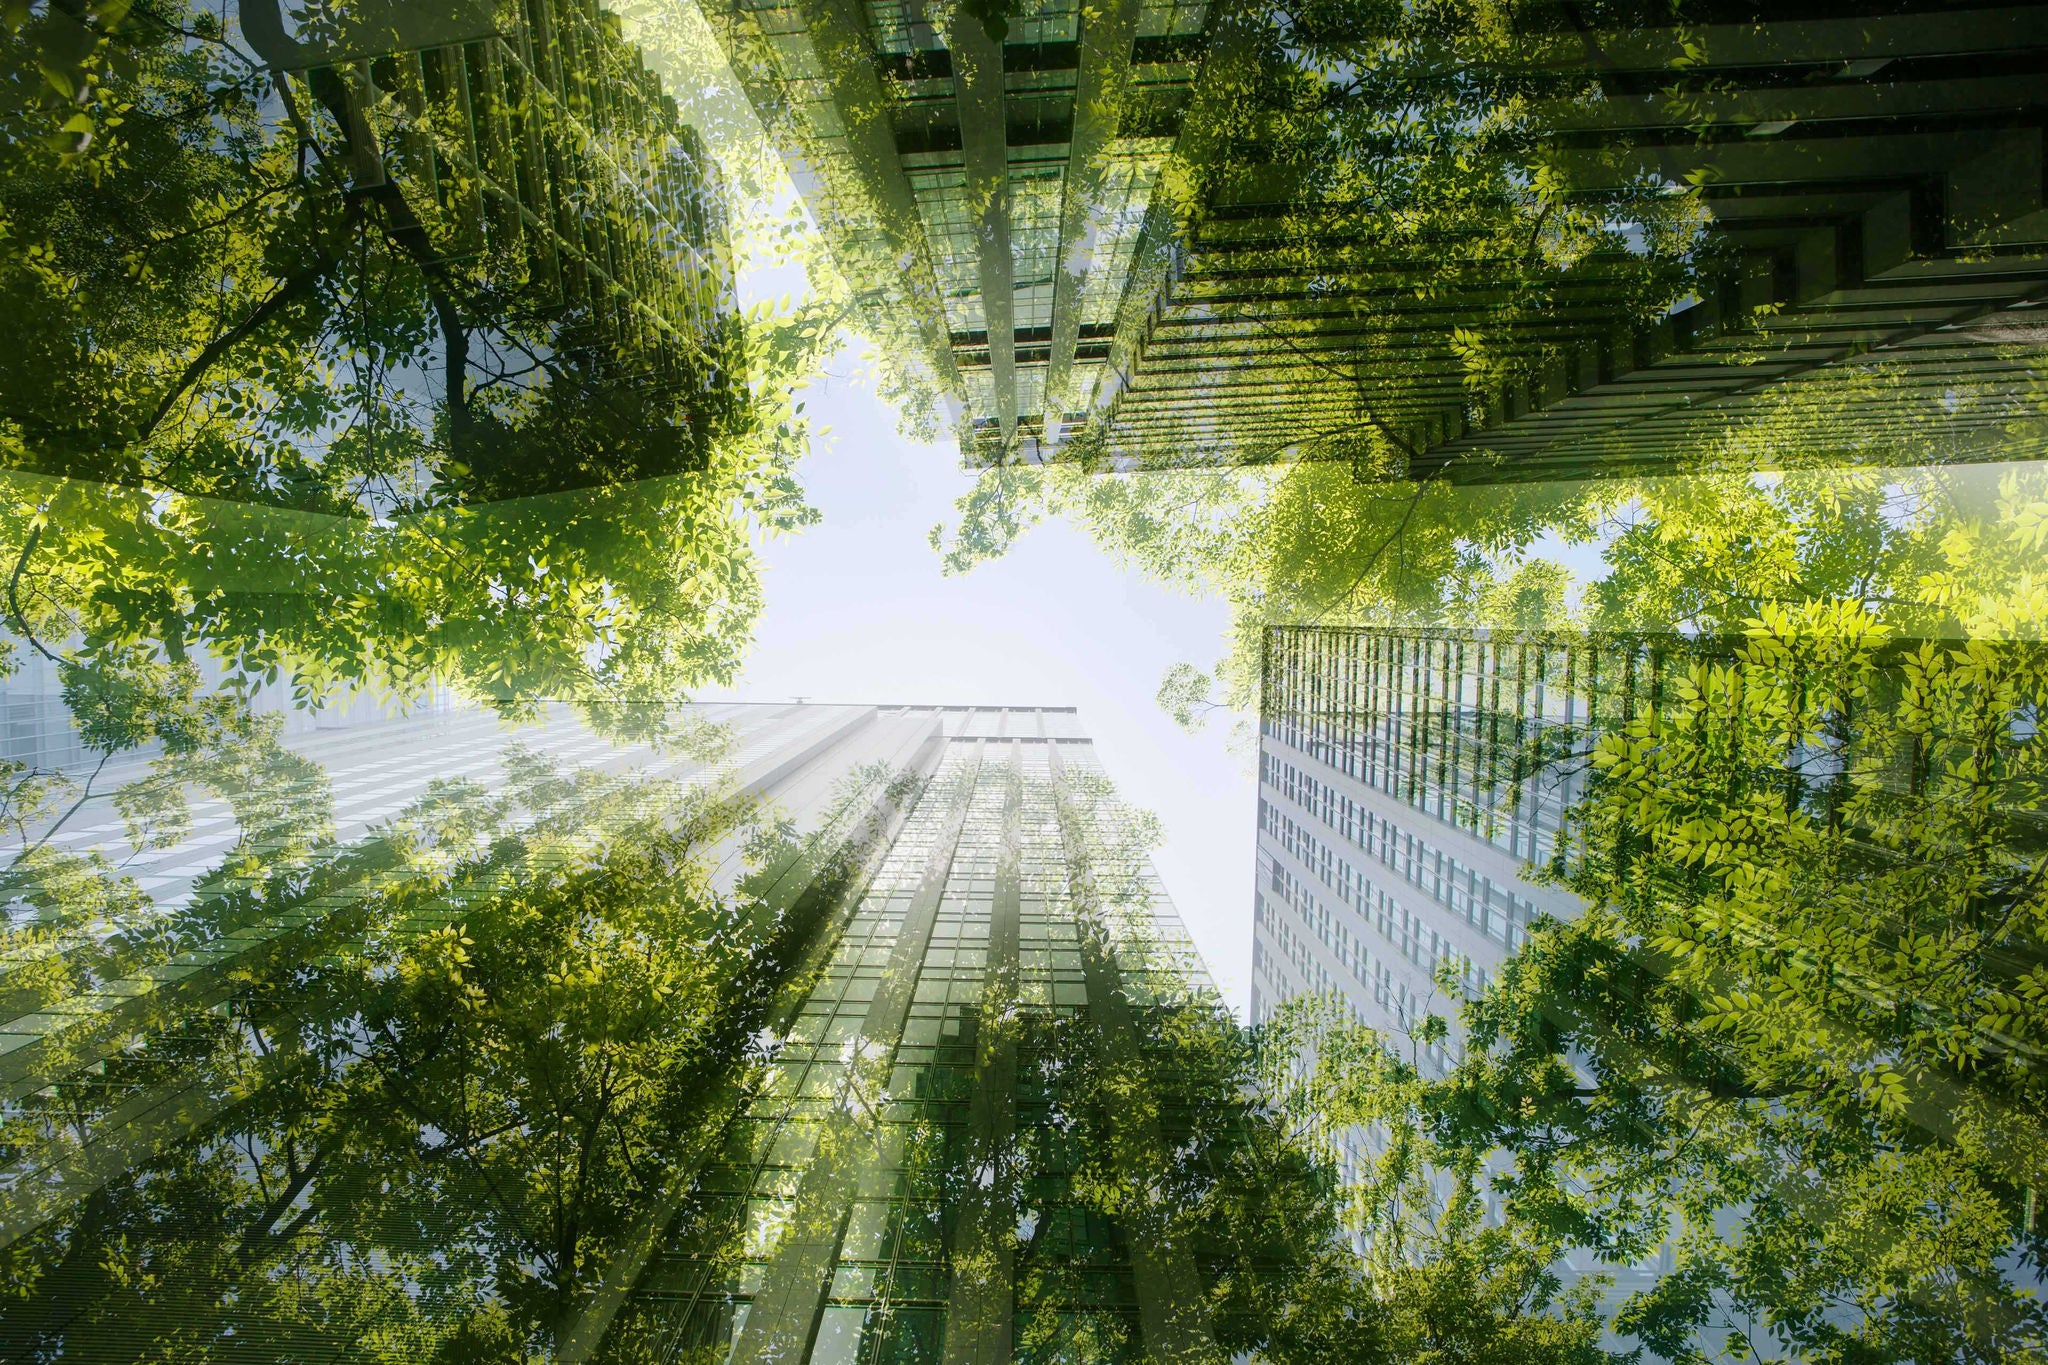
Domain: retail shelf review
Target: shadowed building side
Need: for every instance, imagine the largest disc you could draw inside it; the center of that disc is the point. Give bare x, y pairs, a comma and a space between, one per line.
1870, 185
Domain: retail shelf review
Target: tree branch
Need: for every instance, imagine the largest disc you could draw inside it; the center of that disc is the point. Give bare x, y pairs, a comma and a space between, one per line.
1414, 501
293, 286
15, 617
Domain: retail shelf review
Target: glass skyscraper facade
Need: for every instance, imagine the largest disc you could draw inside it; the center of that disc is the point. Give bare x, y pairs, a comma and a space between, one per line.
1427, 795
98, 1047
900, 1188
1408, 780
1859, 218
987, 185
1054, 220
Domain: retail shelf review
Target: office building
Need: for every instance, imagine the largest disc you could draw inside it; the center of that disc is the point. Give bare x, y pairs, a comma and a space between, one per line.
1874, 253
986, 183
1407, 779
1066, 229
1417, 785
901, 1189
266, 869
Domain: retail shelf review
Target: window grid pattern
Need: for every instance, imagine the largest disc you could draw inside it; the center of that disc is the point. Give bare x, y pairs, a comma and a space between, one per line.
1488, 734
1038, 99
698, 1292
1052, 21
1483, 739
954, 233
1115, 220
1035, 190
1488, 906
889, 1282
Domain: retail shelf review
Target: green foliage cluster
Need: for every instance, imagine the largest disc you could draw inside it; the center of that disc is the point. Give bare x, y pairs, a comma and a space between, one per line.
1420, 208
1168, 1134
1168, 1120
79, 920
424, 1130
1795, 1043
1937, 550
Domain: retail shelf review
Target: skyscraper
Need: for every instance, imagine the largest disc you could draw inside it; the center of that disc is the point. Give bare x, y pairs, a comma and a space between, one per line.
1867, 251
1157, 225
902, 1187
1700, 789
1404, 786
282, 866
1853, 254
986, 181
1407, 780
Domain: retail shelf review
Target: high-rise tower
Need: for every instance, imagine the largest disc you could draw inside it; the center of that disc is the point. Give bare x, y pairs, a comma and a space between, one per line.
1407, 781
1200, 233
986, 180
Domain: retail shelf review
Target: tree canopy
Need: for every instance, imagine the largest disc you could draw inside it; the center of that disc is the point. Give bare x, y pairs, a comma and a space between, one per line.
263, 408
423, 1125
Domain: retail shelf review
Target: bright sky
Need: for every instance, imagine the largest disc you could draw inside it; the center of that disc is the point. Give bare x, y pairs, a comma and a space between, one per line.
858, 611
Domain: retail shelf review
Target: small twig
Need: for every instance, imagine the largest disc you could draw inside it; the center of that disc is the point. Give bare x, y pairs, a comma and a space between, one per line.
1356, 381
210, 354
83, 797
228, 217
1373, 559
